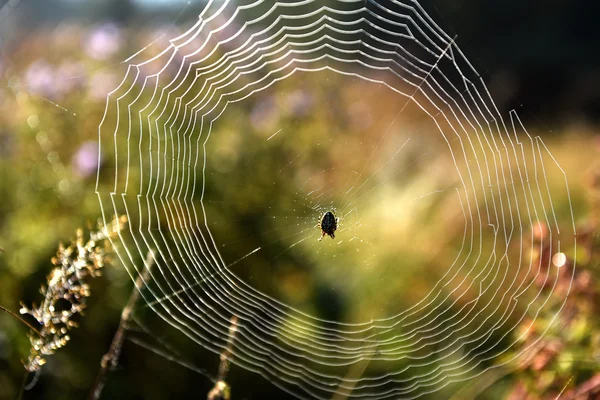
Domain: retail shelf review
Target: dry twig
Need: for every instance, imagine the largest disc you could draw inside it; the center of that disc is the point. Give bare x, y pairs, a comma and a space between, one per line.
111, 359
221, 390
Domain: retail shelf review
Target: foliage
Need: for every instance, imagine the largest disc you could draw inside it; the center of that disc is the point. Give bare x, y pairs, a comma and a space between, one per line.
48, 156
563, 362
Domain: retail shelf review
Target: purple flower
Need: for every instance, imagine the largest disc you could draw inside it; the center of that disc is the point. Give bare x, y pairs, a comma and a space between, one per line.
103, 42
299, 103
265, 116
85, 160
40, 78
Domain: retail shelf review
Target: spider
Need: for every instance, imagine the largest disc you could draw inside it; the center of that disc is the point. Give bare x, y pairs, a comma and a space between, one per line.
328, 225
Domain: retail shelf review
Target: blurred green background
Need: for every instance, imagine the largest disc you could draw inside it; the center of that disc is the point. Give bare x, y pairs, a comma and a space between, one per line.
58, 61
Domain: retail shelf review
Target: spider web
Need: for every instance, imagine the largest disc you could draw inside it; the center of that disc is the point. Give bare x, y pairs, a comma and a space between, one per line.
225, 147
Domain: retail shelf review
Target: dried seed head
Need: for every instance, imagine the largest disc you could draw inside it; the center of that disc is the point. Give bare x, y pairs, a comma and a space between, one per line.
74, 265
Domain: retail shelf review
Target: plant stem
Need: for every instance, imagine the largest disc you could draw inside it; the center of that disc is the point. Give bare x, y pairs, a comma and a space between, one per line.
6, 310
111, 359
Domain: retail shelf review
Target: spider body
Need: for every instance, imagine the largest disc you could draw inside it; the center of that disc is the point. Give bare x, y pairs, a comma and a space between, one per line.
328, 225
